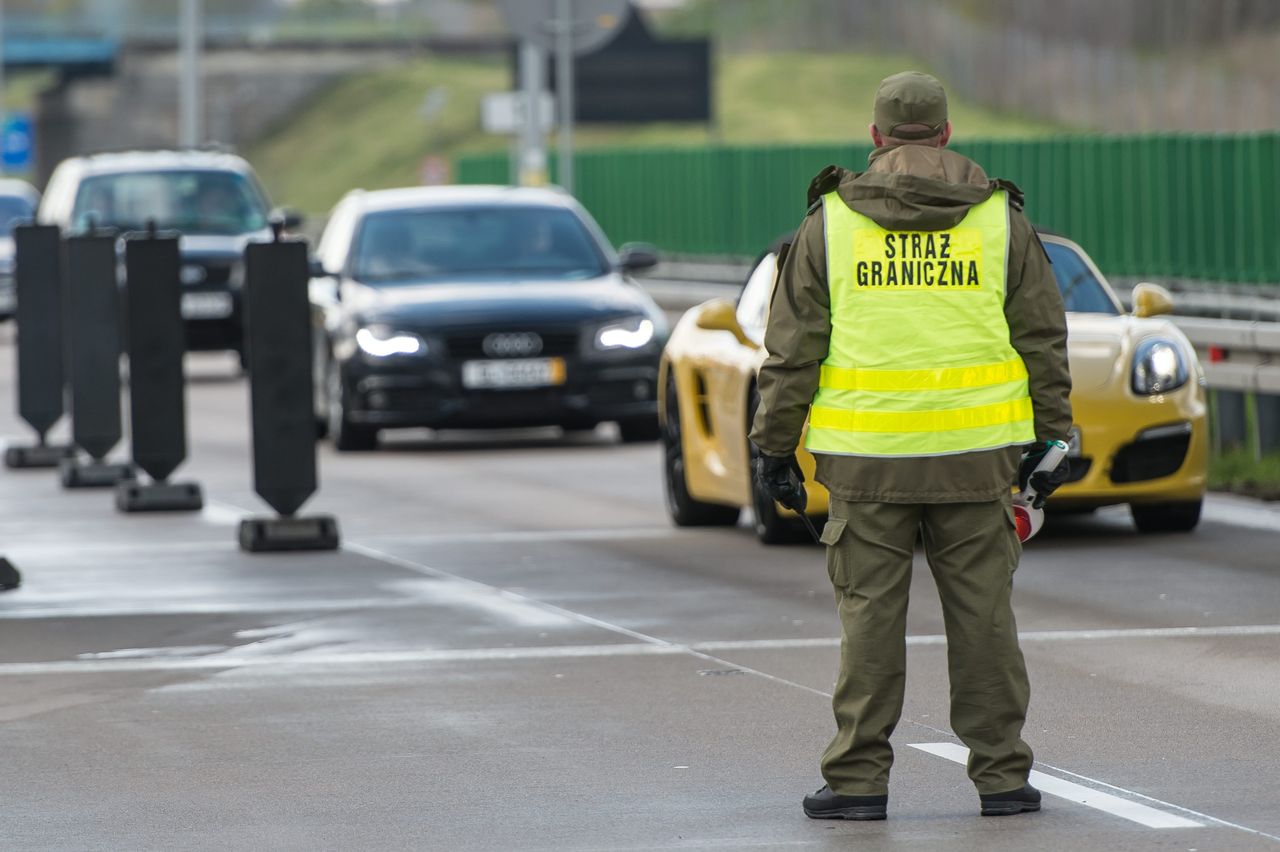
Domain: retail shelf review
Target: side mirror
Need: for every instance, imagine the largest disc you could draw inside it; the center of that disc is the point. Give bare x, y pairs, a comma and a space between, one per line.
1151, 300
290, 218
315, 268
637, 257
722, 315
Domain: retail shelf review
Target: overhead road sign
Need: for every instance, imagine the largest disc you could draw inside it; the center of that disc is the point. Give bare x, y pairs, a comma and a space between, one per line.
594, 22
72, 56
639, 78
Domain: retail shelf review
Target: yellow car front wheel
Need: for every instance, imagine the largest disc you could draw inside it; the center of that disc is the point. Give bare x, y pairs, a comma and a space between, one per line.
685, 511
1166, 517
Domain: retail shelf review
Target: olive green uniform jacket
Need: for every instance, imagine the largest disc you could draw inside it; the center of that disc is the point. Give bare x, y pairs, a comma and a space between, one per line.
909, 188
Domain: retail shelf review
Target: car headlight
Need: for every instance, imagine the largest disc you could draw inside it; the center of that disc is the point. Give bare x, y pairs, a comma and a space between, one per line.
1159, 366
632, 333
380, 342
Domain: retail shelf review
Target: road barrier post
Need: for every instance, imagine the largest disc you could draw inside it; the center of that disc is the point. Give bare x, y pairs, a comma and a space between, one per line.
157, 398
1230, 423
1267, 407
93, 337
9, 576
278, 334
38, 280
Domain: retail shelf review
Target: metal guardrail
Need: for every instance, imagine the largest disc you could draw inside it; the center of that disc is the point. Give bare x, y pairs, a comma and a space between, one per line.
1239, 356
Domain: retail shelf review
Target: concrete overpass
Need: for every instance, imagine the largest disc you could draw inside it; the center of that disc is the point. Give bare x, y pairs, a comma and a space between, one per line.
71, 56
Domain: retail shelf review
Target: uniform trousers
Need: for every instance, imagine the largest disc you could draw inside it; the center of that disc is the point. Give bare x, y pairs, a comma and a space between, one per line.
972, 550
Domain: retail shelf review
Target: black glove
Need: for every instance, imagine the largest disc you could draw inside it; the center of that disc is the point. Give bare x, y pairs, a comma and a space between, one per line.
1046, 481
782, 479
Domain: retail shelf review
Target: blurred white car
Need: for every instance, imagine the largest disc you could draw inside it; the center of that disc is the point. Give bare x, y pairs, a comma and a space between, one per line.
18, 203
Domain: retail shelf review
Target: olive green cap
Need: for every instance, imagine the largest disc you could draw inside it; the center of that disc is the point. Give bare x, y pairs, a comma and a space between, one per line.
910, 98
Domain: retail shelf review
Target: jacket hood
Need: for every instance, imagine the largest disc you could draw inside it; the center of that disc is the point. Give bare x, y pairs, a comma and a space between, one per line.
912, 187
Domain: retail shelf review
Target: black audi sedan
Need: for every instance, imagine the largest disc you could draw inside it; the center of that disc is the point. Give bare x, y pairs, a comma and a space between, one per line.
475, 307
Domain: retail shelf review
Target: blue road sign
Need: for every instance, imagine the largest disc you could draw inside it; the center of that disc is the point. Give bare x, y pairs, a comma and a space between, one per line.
16, 142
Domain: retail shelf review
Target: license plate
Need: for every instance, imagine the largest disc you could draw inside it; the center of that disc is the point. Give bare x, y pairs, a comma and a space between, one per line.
1073, 443
206, 305
521, 373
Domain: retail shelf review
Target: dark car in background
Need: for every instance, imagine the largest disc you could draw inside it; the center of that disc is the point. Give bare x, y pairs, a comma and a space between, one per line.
211, 198
479, 307
18, 202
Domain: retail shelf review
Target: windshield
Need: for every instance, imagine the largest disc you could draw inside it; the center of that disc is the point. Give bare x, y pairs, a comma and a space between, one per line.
1081, 290
753, 303
477, 242
13, 211
193, 202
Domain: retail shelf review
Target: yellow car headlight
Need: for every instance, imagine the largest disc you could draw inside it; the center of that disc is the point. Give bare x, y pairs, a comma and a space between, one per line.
1159, 366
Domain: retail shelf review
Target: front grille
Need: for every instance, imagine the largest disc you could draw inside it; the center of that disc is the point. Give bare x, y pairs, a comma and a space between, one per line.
471, 345
216, 273
1150, 459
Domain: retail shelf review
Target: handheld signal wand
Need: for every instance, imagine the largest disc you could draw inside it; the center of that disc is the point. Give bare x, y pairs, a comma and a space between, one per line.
1028, 518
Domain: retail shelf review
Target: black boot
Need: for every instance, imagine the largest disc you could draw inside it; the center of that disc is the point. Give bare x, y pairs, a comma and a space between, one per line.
1014, 802
825, 804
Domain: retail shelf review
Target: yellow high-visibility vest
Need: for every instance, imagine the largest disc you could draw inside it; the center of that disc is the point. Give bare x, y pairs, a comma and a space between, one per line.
920, 362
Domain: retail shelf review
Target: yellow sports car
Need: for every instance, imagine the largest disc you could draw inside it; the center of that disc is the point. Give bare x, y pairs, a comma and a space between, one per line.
1141, 435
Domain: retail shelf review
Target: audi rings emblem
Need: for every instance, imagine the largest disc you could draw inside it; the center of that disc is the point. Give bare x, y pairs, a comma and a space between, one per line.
523, 344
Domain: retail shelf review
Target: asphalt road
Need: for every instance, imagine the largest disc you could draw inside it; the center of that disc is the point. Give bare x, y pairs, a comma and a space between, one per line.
514, 650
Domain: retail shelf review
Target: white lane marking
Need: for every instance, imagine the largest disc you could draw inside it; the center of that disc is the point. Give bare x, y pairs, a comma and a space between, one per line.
1142, 633
928, 639
491, 601
1241, 512
767, 644
1078, 793
90, 609
542, 617
64, 548
463, 591
518, 536
658, 646
1170, 805
577, 616
239, 660
153, 653
222, 514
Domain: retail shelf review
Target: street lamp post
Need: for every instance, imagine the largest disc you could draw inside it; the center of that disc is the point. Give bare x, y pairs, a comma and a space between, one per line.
564, 26
190, 95
4, 111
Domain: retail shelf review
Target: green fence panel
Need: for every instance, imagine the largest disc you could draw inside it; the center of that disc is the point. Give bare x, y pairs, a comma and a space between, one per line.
1170, 205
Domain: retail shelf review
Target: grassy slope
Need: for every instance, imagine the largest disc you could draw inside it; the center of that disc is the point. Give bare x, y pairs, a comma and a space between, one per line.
21, 88
366, 130
1240, 472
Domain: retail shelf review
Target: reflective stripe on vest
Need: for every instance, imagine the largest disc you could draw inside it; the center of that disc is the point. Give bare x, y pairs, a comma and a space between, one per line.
919, 362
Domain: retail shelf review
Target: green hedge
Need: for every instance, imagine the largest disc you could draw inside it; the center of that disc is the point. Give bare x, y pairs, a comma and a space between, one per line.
1188, 206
